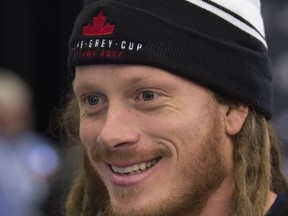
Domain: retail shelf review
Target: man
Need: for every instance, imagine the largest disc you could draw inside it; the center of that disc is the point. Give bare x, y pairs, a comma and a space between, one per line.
171, 104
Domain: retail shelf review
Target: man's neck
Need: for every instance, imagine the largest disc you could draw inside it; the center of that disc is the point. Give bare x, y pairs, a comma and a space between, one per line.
270, 200
220, 202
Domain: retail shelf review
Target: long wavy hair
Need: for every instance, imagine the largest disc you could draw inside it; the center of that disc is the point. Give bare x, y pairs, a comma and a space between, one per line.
256, 167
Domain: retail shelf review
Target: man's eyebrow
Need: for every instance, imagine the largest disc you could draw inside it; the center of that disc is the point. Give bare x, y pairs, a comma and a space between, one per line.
83, 86
128, 81
131, 82
136, 80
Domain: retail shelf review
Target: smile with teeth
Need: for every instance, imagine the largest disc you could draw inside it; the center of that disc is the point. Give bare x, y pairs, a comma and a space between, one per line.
136, 168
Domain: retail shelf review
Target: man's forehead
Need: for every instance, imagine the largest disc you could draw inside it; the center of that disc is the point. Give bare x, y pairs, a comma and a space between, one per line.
121, 73
128, 77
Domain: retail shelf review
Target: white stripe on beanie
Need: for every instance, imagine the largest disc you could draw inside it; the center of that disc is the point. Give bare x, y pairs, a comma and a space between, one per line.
249, 10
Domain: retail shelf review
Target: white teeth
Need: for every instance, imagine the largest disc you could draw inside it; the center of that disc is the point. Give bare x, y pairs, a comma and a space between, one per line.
128, 169
135, 168
142, 166
149, 164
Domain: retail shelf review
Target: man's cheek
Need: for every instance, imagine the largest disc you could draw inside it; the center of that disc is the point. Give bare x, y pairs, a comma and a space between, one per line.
86, 137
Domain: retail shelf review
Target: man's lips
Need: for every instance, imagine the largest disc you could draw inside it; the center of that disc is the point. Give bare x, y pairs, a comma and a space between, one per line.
132, 168
130, 173
135, 168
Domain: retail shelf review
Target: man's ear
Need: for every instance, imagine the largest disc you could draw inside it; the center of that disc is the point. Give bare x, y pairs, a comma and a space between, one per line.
235, 118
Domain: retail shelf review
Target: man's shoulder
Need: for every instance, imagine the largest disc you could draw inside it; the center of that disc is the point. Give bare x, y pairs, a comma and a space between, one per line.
280, 206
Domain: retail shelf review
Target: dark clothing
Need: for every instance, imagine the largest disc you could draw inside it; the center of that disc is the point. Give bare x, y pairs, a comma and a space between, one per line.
280, 206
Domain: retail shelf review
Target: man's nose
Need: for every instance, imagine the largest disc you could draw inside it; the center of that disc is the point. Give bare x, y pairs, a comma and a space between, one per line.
119, 129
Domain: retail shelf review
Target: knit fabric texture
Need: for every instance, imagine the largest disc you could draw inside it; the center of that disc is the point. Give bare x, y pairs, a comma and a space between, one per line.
217, 44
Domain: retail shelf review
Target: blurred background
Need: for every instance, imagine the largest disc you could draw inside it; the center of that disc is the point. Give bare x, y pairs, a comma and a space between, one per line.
33, 50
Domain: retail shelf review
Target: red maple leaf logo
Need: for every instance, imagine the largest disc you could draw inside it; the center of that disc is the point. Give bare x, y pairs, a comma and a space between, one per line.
98, 27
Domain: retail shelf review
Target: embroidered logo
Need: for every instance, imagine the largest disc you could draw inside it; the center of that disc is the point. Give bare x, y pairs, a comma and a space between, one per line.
101, 45
98, 26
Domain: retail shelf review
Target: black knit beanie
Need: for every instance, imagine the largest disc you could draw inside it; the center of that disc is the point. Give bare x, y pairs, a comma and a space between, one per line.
219, 44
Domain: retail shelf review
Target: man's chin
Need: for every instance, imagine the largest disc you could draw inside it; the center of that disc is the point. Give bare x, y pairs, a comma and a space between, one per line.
130, 209
126, 202
120, 210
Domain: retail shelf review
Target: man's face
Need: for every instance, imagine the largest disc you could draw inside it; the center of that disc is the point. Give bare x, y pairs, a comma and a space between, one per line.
157, 141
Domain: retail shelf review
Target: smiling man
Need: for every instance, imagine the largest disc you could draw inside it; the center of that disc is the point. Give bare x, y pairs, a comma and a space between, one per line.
171, 103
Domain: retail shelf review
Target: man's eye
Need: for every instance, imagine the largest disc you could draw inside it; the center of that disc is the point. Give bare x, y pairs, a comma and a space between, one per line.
147, 95
92, 100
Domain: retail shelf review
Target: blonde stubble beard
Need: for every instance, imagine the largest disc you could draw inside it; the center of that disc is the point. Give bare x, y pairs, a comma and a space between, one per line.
206, 171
